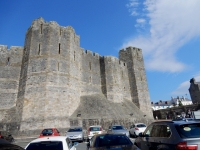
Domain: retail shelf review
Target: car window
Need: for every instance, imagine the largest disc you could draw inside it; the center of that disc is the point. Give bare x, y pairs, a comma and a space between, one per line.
46, 145
95, 128
189, 130
160, 131
75, 130
117, 127
148, 131
141, 125
112, 140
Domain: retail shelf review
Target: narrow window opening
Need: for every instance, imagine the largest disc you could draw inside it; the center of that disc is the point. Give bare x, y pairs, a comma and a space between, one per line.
74, 55
8, 61
59, 49
39, 49
90, 79
60, 31
58, 67
90, 65
122, 74
41, 28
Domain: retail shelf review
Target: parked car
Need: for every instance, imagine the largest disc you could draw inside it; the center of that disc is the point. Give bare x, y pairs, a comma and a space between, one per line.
170, 135
75, 134
111, 141
93, 130
51, 143
137, 128
5, 145
49, 132
6, 136
118, 129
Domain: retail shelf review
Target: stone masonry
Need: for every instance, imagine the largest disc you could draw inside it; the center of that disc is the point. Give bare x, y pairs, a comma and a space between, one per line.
53, 82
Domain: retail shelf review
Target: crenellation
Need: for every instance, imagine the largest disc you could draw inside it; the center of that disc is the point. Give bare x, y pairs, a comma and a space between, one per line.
89, 53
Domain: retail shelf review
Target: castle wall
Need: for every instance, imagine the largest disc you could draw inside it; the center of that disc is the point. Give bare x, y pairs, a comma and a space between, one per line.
10, 66
42, 84
117, 81
90, 73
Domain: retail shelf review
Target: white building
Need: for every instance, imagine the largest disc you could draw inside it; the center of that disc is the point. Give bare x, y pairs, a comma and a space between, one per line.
170, 103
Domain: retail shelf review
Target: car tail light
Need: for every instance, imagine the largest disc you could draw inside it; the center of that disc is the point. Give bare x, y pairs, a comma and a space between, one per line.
184, 146
136, 129
0, 136
100, 128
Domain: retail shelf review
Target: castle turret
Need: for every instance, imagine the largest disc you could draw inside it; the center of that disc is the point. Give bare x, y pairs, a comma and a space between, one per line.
51, 74
137, 77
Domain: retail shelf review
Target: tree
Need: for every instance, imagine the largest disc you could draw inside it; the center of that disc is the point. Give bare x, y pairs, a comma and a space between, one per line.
180, 103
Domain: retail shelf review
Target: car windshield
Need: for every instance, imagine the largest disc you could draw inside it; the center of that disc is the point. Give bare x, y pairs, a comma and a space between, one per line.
46, 145
47, 132
117, 128
112, 140
189, 130
75, 130
95, 128
141, 125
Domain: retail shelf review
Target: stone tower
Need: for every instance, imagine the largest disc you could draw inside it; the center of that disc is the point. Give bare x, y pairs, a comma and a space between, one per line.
137, 77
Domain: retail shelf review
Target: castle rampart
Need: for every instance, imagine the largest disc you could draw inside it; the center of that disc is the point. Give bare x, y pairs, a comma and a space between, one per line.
54, 78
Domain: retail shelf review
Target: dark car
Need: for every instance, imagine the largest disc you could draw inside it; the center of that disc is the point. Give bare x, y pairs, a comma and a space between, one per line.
170, 135
5, 145
6, 136
111, 142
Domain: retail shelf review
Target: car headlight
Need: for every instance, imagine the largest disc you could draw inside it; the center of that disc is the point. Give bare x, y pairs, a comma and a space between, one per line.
79, 136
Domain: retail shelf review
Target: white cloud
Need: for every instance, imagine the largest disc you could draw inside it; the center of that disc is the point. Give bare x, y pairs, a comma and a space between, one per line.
140, 20
171, 25
133, 6
183, 87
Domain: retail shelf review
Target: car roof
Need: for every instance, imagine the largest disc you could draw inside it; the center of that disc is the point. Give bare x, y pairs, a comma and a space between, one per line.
116, 125
96, 126
178, 122
72, 127
139, 123
50, 138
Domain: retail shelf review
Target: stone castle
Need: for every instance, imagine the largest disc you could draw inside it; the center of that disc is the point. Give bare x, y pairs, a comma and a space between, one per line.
53, 82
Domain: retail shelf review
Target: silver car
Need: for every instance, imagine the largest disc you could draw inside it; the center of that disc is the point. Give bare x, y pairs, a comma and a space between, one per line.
75, 134
118, 129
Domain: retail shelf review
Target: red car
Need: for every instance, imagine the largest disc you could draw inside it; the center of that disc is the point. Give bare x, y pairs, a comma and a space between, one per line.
49, 132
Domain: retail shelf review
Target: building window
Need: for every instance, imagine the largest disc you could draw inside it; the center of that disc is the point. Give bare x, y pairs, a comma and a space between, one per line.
59, 49
8, 61
39, 49
90, 65
41, 28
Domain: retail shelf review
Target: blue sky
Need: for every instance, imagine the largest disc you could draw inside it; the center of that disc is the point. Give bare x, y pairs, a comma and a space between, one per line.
168, 32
